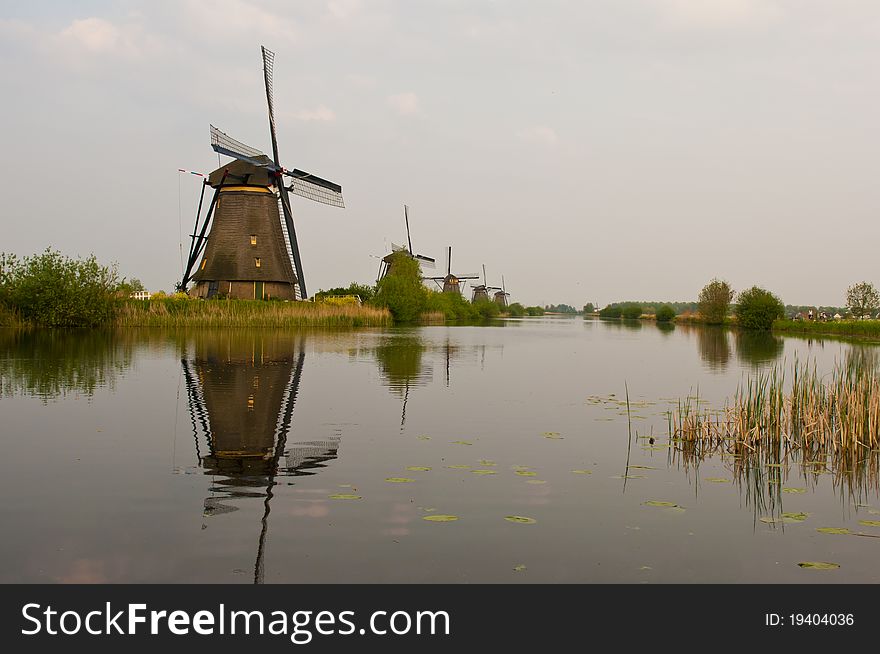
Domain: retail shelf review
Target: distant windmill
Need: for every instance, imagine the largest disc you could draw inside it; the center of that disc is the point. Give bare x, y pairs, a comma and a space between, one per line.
481, 292
451, 283
251, 251
501, 294
388, 260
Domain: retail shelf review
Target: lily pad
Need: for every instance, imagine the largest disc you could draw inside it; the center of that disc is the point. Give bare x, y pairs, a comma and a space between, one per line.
789, 517
794, 490
662, 504
718, 480
873, 511
536, 481
424, 438
520, 467
459, 466
418, 468
526, 473
582, 472
462, 443
483, 472
833, 530
519, 568
819, 565
345, 496
870, 523
400, 480
628, 477
440, 518
552, 434
643, 468
520, 519
487, 462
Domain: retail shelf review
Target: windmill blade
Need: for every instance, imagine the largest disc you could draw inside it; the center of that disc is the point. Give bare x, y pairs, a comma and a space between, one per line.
222, 143
268, 73
294, 245
469, 276
427, 262
315, 188
398, 248
406, 217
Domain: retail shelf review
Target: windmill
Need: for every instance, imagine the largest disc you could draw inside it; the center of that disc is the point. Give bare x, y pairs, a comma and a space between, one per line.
388, 260
501, 294
451, 283
481, 292
252, 250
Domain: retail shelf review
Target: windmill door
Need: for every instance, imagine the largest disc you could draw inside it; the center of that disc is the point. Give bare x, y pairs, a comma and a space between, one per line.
213, 287
258, 290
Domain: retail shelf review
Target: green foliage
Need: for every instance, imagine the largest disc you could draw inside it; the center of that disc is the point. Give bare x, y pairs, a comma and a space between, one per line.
52, 290
611, 311
862, 299
714, 301
664, 313
589, 308
454, 307
363, 291
560, 308
401, 291
128, 287
757, 308
516, 310
535, 311
632, 311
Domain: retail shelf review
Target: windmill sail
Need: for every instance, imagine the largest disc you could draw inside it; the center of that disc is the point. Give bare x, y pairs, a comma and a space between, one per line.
222, 143
314, 188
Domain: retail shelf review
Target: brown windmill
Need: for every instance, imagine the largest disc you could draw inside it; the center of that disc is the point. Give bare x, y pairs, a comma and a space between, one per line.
251, 250
451, 283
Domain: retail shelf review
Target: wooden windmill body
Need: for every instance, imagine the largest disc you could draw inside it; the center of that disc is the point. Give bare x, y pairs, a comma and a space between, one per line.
251, 251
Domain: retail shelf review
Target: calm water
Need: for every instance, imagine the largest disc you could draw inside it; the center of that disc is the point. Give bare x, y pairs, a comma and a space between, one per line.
215, 455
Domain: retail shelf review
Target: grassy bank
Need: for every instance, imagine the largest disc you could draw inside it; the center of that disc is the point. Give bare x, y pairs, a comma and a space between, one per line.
246, 313
859, 328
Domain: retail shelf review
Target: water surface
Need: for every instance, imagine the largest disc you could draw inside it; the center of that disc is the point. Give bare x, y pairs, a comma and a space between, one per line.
263, 455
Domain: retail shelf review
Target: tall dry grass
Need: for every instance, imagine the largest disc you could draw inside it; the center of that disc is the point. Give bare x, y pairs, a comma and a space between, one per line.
247, 313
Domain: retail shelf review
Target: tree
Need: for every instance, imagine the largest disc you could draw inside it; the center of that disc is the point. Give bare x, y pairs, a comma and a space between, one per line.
401, 291
862, 299
665, 313
589, 308
757, 308
714, 301
632, 311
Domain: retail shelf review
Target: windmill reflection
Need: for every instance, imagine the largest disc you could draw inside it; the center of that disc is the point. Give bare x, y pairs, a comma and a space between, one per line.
242, 389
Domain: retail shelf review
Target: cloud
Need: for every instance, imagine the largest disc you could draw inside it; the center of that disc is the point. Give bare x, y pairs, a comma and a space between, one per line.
95, 35
344, 9
406, 104
718, 14
540, 134
320, 113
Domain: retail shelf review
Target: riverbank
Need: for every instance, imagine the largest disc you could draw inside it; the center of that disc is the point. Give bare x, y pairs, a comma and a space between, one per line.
172, 312
849, 328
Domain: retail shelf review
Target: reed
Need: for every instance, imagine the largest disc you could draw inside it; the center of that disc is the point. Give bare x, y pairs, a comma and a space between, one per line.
247, 313
821, 423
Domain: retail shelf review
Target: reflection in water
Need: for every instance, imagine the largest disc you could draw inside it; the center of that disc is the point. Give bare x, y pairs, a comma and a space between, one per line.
714, 346
400, 364
242, 389
758, 348
50, 363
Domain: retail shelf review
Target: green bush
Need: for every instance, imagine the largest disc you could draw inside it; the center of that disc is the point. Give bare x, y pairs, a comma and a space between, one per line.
52, 290
714, 301
535, 311
364, 292
665, 313
757, 308
611, 311
516, 310
632, 311
401, 291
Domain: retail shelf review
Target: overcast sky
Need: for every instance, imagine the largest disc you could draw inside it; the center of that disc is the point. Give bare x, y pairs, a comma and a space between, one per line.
588, 151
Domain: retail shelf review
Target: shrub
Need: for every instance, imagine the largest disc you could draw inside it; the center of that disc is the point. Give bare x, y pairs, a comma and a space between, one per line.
632, 311
611, 311
401, 290
516, 310
665, 313
535, 311
757, 308
52, 290
714, 301
862, 299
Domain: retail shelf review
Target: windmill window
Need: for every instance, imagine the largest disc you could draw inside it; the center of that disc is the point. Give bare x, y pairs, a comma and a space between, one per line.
253, 239
257, 262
